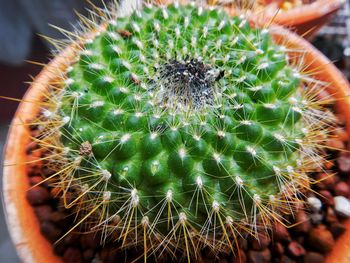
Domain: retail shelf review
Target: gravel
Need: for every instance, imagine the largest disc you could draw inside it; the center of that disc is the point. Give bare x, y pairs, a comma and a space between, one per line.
314, 203
342, 205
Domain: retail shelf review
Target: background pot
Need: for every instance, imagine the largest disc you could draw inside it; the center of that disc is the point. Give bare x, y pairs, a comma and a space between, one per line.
307, 20
23, 225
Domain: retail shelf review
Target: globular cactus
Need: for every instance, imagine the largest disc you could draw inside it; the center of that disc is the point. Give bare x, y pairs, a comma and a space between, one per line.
180, 127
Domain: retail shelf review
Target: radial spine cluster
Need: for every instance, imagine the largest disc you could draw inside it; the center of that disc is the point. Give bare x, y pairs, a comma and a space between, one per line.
181, 126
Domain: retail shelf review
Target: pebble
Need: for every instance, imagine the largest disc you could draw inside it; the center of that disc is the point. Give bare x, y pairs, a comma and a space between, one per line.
263, 256
313, 257
57, 216
321, 239
278, 248
262, 242
280, 232
316, 218
342, 206
43, 212
315, 203
303, 224
342, 189
295, 249
35, 180
60, 219
38, 195
335, 144
344, 163
50, 231
72, 255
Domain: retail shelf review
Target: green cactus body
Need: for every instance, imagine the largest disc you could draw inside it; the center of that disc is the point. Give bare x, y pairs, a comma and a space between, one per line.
184, 122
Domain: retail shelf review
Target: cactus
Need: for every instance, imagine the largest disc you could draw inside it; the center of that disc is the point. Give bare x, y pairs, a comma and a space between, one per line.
180, 127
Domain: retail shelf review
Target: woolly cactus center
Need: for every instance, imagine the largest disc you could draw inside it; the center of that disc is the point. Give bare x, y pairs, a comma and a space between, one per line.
181, 114
187, 84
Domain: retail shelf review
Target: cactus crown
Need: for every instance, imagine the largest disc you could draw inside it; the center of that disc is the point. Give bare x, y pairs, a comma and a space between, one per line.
180, 127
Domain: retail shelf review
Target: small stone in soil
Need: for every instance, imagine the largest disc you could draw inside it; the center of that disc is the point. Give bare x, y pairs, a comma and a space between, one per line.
35, 180
263, 256
280, 232
335, 144
314, 203
313, 257
278, 248
316, 218
303, 222
344, 163
342, 206
321, 239
262, 242
295, 249
43, 212
38, 195
342, 189
50, 231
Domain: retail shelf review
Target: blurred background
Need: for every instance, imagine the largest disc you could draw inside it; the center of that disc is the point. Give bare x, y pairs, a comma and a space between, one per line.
23, 21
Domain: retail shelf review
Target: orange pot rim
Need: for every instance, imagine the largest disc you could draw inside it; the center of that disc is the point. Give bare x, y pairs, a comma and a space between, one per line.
23, 224
306, 13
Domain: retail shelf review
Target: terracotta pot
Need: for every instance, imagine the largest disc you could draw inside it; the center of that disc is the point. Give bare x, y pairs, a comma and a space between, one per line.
306, 20
23, 225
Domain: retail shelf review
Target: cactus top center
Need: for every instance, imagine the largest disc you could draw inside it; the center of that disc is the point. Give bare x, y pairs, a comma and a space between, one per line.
188, 84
